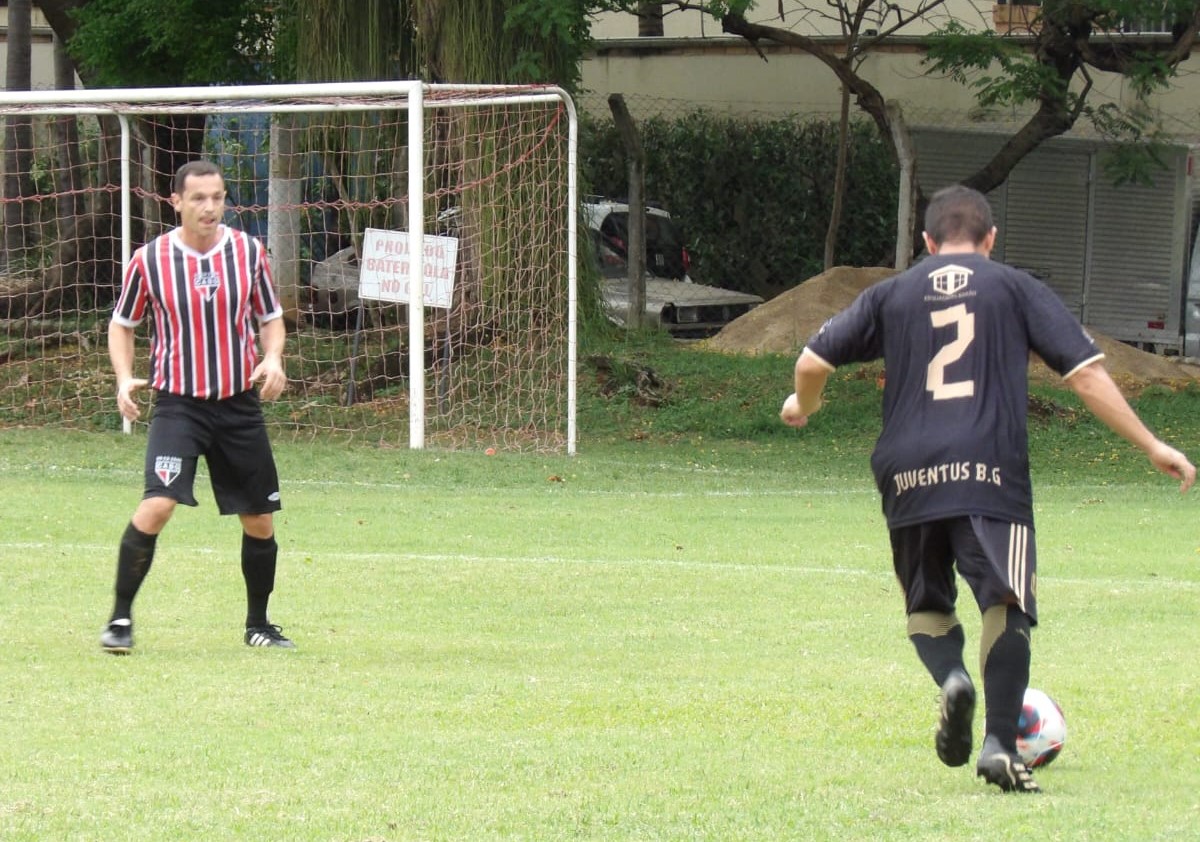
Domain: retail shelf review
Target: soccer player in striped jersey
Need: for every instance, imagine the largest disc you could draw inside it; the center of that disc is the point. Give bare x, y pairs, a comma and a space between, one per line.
206, 287
951, 462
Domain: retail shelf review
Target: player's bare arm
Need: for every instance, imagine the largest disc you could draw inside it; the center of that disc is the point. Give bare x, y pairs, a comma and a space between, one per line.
810, 376
269, 373
1100, 394
120, 352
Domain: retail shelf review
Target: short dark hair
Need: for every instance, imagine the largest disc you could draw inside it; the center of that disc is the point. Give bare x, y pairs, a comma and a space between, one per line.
196, 168
958, 213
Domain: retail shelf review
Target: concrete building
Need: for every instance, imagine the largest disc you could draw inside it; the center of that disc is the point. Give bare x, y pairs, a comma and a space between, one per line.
695, 62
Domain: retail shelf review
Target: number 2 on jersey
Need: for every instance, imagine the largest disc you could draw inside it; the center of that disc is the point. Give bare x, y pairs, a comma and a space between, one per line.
935, 375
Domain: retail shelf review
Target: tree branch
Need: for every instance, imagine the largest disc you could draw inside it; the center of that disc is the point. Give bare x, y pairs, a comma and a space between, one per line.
1050, 120
866, 96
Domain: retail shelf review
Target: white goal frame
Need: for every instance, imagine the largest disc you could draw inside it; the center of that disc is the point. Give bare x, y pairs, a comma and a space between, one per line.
411, 96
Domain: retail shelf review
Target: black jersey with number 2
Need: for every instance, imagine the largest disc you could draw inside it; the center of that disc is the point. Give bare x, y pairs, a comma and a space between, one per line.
955, 332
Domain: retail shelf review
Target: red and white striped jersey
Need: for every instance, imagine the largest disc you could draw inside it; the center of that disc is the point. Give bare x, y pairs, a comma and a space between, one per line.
203, 308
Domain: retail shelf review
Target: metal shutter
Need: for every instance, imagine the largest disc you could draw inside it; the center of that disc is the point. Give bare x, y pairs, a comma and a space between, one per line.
1135, 277
948, 157
1046, 222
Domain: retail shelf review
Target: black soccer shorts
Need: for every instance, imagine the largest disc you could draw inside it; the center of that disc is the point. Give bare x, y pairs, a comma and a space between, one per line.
998, 559
230, 434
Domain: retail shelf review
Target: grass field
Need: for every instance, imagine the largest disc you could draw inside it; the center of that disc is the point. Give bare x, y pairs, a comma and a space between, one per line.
683, 636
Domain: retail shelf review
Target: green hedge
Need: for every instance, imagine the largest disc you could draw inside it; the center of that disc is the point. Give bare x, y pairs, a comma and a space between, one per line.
754, 196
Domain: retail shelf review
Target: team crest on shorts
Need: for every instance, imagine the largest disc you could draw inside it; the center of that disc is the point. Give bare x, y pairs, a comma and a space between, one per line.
206, 283
950, 279
167, 468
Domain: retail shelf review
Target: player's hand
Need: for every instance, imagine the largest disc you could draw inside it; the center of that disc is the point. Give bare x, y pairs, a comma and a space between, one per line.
791, 414
269, 377
1173, 463
125, 400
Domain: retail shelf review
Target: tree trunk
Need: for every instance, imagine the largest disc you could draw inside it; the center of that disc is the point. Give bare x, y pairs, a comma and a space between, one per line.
839, 182
650, 19
19, 215
1051, 120
174, 140
68, 175
86, 268
59, 14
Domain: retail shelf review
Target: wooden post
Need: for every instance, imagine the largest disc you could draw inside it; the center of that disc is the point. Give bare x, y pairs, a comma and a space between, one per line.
636, 247
906, 206
283, 215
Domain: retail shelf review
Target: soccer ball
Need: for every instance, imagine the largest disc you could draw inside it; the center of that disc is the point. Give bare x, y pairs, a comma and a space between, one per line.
1041, 731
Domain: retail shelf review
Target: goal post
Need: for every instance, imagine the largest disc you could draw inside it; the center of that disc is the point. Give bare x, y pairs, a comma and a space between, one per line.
311, 170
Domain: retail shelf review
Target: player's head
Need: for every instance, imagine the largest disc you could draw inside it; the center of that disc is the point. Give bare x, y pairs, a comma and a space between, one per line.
199, 199
195, 168
961, 216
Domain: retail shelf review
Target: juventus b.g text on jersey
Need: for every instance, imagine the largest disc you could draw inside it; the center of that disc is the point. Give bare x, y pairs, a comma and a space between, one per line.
205, 306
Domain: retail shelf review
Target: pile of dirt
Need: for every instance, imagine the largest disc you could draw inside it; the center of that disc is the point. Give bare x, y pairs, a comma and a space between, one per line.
783, 324
1133, 370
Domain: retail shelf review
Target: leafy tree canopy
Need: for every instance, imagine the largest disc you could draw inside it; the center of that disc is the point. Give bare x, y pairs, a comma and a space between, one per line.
1053, 70
193, 42
120, 43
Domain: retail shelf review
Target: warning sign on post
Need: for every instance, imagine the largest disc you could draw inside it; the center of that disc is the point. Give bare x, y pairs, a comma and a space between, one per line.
386, 258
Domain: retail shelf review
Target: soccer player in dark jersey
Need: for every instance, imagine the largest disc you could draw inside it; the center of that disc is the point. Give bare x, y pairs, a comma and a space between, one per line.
951, 462
205, 286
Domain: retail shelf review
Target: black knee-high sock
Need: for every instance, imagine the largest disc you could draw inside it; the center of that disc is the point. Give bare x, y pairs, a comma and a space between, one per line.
1004, 661
134, 557
258, 569
939, 640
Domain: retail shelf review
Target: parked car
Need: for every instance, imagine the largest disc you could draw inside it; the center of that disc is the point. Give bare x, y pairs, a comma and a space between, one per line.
666, 254
673, 300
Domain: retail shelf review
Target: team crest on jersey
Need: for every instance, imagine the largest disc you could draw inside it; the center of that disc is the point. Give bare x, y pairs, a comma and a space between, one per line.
950, 279
167, 468
206, 283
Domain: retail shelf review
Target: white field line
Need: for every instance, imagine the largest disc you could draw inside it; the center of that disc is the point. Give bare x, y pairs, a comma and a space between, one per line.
465, 559
832, 490
486, 491
574, 486
883, 573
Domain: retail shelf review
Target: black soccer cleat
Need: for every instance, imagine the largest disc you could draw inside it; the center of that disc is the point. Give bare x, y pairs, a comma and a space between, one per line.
117, 637
953, 739
1004, 768
269, 635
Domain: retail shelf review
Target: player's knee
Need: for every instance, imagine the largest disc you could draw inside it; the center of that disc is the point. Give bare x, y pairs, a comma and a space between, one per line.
153, 513
260, 526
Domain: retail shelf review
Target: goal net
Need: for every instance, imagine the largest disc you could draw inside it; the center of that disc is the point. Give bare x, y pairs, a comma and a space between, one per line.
341, 182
